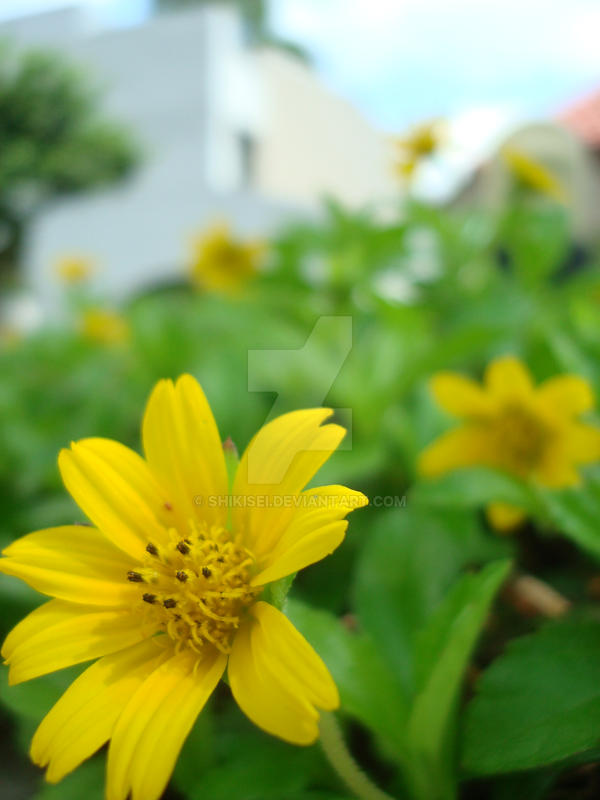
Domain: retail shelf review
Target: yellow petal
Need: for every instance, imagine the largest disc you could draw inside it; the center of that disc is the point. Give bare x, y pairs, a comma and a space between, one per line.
277, 464
155, 723
115, 489
557, 468
507, 377
568, 395
183, 448
84, 717
59, 634
460, 396
466, 446
73, 562
503, 517
315, 530
583, 443
277, 678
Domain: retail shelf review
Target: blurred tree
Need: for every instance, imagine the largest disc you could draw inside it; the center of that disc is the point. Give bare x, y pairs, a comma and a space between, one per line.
254, 16
53, 141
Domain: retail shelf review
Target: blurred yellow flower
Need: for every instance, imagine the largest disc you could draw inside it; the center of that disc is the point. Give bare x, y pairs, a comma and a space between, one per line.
532, 432
168, 588
503, 517
418, 144
532, 174
74, 269
104, 326
223, 263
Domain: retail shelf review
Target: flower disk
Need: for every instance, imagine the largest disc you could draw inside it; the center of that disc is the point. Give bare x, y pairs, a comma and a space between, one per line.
522, 438
198, 587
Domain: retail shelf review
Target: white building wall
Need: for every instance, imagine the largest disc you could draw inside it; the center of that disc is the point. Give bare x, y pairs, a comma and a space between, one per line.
315, 143
190, 90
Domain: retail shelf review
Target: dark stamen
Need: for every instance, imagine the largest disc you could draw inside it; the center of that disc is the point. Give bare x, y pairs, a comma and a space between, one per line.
181, 576
169, 603
135, 577
152, 549
183, 548
149, 598
206, 572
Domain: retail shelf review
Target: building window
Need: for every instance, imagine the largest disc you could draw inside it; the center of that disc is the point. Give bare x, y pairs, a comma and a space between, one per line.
247, 151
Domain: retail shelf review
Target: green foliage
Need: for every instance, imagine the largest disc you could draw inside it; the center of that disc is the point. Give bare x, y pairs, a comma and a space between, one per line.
409, 613
401, 675
539, 703
86, 782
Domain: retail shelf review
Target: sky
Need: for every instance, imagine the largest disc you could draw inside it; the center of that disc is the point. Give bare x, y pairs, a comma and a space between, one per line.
484, 63
405, 60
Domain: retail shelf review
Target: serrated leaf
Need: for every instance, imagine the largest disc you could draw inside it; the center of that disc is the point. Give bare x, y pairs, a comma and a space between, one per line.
537, 704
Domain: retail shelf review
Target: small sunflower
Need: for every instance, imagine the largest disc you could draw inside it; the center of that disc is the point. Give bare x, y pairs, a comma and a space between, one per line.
507, 423
419, 143
74, 269
222, 263
103, 326
168, 589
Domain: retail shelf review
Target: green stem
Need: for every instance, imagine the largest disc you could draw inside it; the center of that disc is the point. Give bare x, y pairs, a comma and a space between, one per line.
344, 764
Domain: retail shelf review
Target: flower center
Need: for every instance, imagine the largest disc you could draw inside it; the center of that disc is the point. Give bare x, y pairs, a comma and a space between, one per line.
231, 258
522, 437
197, 587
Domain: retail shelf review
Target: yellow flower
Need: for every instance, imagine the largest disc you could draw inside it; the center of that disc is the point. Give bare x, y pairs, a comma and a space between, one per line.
104, 326
168, 588
533, 174
222, 263
532, 432
503, 517
74, 269
418, 144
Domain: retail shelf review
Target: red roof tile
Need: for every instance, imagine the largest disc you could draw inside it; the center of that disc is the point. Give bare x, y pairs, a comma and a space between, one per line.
583, 119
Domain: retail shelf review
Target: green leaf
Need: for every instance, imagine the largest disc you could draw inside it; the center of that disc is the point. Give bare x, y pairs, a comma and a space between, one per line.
276, 592
537, 704
86, 781
533, 785
246, 763
444, 648
33, 699
368, 688
475, 488
576, 513
411, 560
